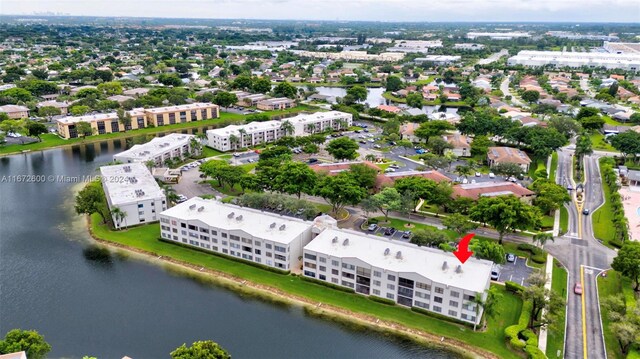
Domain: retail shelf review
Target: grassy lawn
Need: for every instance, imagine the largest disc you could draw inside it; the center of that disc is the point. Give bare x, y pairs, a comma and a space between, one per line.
564, 220
603, 217
612, 284
597, 139
547, 222
52, 140
539, 164
554, 167
210, 152
555, 336
609, 121
226, 189
493, 340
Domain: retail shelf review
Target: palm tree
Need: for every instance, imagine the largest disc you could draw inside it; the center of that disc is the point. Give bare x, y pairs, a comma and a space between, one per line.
311, 128
243, 133
119, 215
234, 140
287, 127
342, 123
169, 192
542, 238
463, 170
370, 157
150, 164
487, 303
196, 146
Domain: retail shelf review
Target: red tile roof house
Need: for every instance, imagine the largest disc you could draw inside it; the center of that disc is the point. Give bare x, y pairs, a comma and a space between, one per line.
492, 189
392, 109
461, 144
497, 155
407, 132
333, 169
388, 179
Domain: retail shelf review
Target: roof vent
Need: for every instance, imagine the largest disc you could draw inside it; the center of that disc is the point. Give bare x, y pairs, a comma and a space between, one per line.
201, 208
239, 218
193, 206
387, 251
445, 265
272, 225
335, 239
230, 215
459, 269
282, 227
399, 255
345, 242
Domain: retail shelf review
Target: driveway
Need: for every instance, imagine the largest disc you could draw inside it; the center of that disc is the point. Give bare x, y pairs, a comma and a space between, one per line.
515, 272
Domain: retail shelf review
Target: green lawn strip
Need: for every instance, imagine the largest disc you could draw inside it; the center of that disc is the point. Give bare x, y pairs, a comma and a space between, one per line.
555, 335
538, 164
554, 167
547, 222
603, 217
210, 152
146, 238
612, 284
564, 219
597, 139
52, 140
609, 121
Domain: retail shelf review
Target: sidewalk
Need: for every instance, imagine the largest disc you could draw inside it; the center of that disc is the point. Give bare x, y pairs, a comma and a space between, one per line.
542, 338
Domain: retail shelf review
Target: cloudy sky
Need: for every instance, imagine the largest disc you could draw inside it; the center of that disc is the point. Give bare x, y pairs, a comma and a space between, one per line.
381, 10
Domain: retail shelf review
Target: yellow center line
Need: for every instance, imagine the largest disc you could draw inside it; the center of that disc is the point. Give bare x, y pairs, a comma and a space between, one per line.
584, 315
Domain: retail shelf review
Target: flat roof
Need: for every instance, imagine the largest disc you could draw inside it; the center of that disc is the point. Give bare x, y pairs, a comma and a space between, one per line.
251, 127
254, 222
155, 146
191, 106
424, 261
130, 182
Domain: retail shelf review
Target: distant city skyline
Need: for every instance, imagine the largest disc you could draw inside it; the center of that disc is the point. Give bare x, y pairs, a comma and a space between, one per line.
362, 10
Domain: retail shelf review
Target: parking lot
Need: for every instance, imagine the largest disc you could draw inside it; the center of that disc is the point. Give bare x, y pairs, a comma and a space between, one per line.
515, 272
380, 231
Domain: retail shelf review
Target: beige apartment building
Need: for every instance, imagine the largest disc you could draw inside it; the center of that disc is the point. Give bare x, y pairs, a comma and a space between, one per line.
140, 118
15, 111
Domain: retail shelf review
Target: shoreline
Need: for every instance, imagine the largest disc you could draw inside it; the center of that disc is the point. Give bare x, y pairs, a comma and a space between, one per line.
317, 309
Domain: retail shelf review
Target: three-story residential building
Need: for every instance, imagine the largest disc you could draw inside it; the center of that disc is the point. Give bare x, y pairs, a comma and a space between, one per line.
159, 149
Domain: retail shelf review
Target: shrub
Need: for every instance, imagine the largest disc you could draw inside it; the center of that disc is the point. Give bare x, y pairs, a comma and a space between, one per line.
513, 287
382, 300
539, 258
326, 284
373, 220
440, 316
514, 332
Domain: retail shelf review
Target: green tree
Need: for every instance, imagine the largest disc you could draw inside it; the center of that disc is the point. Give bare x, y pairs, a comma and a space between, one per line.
565, 125
16, 94
200, 350
627, 262
414, 100
428, 237
389, 199
542, 238
505, 214
358, 92
626, 334
88, 92
110, 88
216, 169
287, 127
48, 112
12, 126
628, 143
35, 129
438, 145
339, 191
546, 303
432, 128
587, 112
40, 74
261, 85
285, 89
531, 96
508, 169
79, 110
295, 178
406, 145
393, 83
592, 123
242, 82
488, 250
124, 118
480, 145
364, 175
459, 223
84, 129
118, 215
29, 341
91, 199
170, 80
489, 304
417, 187
343, 148
225, 99
549, 196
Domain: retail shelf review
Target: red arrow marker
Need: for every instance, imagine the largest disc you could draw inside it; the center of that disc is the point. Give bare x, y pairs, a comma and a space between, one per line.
463, 248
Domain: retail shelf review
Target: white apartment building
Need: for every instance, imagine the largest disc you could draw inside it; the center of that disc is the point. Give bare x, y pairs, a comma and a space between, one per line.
472, 47
241, 232
498, 35
132, 189
240, 136
438, 59
409, 275
628, 61
158, 150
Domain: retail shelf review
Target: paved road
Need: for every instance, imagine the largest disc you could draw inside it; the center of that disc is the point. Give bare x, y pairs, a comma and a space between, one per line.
504, 87
584, 85
585, 258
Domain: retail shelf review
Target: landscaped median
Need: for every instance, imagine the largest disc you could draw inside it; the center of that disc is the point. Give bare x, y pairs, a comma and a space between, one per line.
320, 299
610, 285
555, 334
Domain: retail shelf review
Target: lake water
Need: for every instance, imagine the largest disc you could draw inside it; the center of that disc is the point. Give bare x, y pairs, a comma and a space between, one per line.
111, 307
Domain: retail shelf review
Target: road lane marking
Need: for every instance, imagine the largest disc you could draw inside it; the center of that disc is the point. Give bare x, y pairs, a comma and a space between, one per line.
584, 315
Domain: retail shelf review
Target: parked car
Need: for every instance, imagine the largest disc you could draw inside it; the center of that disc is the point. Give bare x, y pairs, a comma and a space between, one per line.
372, 227
491, 175
389, 169
511, 257
236, 154
389, 231
393, 165
473, 181
585, 211
478, 174
377, 146
495, 274
420, 151
363, 142
465, 181
406, 234
577, 289
312, 160
569, 187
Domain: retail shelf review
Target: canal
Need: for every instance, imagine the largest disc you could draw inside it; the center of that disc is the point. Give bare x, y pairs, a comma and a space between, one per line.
112, 306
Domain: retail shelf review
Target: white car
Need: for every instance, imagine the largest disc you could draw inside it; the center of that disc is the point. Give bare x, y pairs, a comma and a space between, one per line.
465, 181
491, 175
478, 174
389, 169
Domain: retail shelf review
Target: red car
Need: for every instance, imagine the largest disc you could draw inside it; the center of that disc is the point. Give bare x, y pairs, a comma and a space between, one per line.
577, 289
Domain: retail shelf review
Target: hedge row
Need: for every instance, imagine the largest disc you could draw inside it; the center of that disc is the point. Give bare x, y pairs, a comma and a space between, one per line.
620, 222
440, 316
382, 300
327, 284
521, 338
513, 287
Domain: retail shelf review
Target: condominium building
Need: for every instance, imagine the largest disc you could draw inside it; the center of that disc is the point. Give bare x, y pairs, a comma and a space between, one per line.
472, 47
140, 118
241, 232
278, 103
626, 61
498, 35
15, 111
438, 59
132, 189
409, 275
240, 136
159, 149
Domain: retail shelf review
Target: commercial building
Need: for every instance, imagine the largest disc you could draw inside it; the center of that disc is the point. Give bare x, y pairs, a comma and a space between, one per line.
497, 155
241, 232
438, 59
414, 45
409, 275
468, 47
577, 36
352, 55
498, 35
158, 150
131, 188
278, 103
15, 111
140, 118
239, 136
622, 47
624, 61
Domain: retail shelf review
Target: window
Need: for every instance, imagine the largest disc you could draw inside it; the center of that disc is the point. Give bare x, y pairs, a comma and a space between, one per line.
439, 290
422, 304
423, 295
257, 243
376, 292
390, 296
267, 245
140, 205
309, 274
453, 313
322, 269
470, 298
280, 249
437, 309
334, 280
224, 235
257, 251
453, 303
391, 277
322, 259
234, 238
348, 275
322, 277
204, 230
437, 299
310, 265
347, 284
376, 283
348, 266
377, 274
335, 263
455, 294
335, 272
310, 256
391, 286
